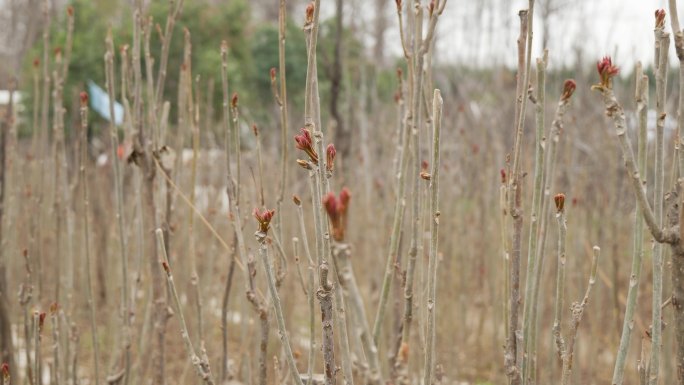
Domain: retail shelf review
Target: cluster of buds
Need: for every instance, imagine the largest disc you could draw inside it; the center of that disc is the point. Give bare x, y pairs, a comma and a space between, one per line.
336, 207
569, 87
660, 18
304, 142
264, 219
606, 71
559, 200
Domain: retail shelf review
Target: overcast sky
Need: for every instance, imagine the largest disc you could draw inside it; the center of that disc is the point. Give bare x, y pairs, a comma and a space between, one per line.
486, 31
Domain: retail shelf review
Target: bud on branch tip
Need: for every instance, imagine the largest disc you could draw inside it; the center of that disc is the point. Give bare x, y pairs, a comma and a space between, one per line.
84, 99
569, 87
330, 154
336, 208
559, 200
264, 218
660, 18
606, 71
304, 142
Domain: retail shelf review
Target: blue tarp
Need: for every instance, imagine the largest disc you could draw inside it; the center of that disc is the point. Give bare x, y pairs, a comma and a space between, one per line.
99, 101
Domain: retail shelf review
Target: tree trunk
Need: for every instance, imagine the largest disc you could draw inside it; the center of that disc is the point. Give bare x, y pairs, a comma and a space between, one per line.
342, 134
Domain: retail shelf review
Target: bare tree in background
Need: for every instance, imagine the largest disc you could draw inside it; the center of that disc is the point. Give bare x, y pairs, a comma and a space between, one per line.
379, 30
548, 9
18, 31
342, 134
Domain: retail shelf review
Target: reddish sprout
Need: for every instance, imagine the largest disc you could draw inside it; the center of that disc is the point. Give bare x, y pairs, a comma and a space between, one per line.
36, 63
273, 74
397, 97
331, 206
84, 99
337, 207
304, 142
568, 89
264, 218
345, 197
41, 321
503, 176
310, 12
330, 154
5, 371
398, 4
166, 267
234, 100
559, 200
660, 18
70, 11
606, 71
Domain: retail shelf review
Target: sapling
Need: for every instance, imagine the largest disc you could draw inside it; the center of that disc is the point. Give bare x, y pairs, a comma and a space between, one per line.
310, 291
281, 100
114, 137
200, 362
641, 97
233, 191
577, 313
670, 233
662, 48
264, 220
336, 208
559, 199
416, 59
434, 232
514, 197
534, 263
86, 237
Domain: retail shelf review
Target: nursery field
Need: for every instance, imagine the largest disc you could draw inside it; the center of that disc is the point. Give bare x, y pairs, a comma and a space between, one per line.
292, 192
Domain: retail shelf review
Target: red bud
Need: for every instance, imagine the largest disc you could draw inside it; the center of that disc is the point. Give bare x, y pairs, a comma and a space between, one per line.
309, 12
330, 154
568, 89
559, 199
264, 218
84, 99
